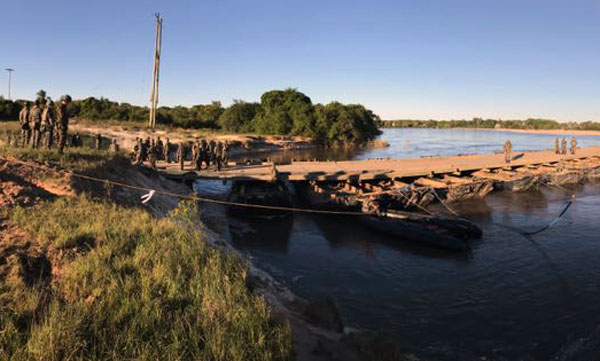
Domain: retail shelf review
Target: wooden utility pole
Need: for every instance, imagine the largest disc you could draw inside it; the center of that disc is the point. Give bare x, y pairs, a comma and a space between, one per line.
155, 75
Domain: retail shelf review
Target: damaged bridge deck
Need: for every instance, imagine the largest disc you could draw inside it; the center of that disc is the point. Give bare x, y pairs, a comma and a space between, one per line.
483, 165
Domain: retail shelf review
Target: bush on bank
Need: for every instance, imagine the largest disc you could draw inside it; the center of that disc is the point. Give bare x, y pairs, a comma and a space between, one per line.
132, 287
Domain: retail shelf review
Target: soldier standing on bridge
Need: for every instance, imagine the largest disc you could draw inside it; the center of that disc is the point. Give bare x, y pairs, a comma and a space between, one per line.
225, 153
180, 155
556, 146
507, 151
166, 150
152, 154
24, 121
217, 155
205, 153
563, 145
573, 145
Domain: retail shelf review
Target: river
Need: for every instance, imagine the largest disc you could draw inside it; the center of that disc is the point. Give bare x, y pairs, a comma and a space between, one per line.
510, 298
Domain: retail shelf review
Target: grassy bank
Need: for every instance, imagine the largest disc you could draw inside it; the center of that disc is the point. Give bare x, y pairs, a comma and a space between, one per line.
99, 281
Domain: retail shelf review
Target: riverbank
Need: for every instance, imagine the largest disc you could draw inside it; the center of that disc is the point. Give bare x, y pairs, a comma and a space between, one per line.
88, 250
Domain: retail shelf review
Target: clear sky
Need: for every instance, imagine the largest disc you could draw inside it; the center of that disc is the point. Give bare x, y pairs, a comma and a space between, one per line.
402, 59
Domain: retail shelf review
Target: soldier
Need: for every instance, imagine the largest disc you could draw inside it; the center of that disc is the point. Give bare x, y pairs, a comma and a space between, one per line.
211, 151
24, 121
98, 141
217, 150
166, 150
152, 154
114, 147
145, 147
205, 153
573, 145
76, 140
159, 149
62, 121
181, 154
507, 151
138, 151
563, 145
48, 123
9, 138
136, 148
556, 146
225, 153
35, 123
194, 153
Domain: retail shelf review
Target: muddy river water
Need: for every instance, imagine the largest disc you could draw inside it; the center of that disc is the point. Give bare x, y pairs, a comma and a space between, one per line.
512, 297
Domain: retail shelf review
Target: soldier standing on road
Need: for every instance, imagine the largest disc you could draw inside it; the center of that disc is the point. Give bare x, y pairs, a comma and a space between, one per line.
98, 141
573, 145
35, 123
62, 121
24, 121
556, 146
166, 150
507, 151
180, 155
48, 123
563, 145
139, 151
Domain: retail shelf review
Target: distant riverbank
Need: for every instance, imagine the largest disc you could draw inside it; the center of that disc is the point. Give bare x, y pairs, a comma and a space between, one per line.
543, 131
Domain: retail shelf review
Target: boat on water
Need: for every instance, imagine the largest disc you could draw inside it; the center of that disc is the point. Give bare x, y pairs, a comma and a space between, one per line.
448, 233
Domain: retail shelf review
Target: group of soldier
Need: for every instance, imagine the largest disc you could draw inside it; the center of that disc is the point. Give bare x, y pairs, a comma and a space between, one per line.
202, 152
44, 124
560, 147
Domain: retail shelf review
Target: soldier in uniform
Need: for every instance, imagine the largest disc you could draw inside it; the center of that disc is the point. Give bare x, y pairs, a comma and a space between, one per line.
114, 147
205, 153
76, 140
159, 148
194, 153
217, 155
563, 145
556, 146
225, 153
98, 141
48, 123
145, 147
62, 121
139, 147
35, 123
573, 145
507, 151
24, 121
181, 154
211, 151
166, 150
152, 154
200, 155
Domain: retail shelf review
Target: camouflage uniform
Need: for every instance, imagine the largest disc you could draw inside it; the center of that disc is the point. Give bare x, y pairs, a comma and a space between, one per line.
152, 154
145, 147
573, 145
181, 154
166, 150
195, 153
24, 121
205, 153
138, 151
159, 148
98, 141
217, 155
507, 151
48, 124
556, 146
225, 153
563, 146
35, 123
62, 122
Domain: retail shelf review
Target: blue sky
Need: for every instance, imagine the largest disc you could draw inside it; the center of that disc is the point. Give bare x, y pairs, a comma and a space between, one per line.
402, 59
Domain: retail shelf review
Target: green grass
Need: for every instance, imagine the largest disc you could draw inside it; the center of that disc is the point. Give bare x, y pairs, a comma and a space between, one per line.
138, 288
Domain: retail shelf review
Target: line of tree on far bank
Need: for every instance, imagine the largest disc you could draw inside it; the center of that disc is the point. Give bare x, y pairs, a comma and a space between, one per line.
279, 112
530, 123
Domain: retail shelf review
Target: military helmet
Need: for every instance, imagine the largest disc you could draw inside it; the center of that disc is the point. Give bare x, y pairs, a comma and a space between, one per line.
66, 98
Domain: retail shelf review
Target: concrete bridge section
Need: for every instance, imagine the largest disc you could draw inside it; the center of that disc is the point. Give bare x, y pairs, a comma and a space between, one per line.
380, 169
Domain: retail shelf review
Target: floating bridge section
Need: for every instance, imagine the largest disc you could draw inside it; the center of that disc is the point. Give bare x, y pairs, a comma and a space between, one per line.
431, 171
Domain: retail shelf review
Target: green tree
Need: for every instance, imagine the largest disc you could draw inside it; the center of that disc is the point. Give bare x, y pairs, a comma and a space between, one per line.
285, 112
239, 116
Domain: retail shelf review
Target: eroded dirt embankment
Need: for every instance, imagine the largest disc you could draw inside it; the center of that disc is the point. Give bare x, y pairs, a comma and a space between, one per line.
317, 333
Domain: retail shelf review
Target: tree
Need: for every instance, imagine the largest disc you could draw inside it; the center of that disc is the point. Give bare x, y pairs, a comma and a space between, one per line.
239, 116
285, 112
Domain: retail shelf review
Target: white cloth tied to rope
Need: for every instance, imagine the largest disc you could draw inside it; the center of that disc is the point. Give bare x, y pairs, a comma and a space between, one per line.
148, 196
